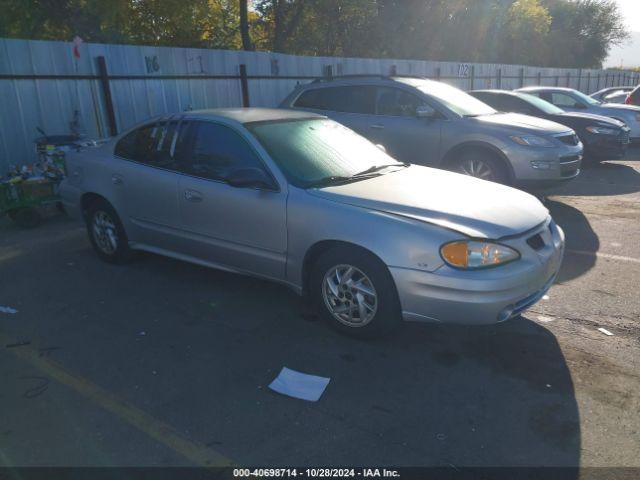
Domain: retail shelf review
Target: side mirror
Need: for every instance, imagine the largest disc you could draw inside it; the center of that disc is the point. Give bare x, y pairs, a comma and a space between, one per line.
250, 178
425, 111
381, 147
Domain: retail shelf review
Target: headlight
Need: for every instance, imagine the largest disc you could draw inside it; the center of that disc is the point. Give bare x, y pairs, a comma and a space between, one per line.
602, 130
533, 141
472, 254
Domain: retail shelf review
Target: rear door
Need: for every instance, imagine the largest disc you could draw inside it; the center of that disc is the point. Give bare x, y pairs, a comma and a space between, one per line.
241, 228
405, 136
145, 184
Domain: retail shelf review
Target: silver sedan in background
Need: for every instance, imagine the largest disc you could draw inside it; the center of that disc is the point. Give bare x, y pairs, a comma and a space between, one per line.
300, 199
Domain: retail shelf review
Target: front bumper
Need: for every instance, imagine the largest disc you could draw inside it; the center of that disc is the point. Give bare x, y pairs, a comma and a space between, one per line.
488, 296
542, 167
609, 147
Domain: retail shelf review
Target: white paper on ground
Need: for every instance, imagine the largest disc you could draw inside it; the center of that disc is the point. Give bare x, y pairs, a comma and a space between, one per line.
605, 331
8, 310
299, 385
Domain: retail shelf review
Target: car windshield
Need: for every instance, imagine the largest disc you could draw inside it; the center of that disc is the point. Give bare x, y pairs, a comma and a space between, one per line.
585, 98
455, 99
316, 152
537, 102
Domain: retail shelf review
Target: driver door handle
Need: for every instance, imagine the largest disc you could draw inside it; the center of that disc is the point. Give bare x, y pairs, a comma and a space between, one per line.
377, 126
115, 179
192, 196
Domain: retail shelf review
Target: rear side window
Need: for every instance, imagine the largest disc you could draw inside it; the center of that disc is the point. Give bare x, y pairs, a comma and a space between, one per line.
219, 150
351, 99
139, 145
159, 145
397, 102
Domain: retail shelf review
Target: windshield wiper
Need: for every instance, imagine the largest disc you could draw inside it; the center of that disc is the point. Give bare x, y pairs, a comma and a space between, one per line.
368, 173
377, 168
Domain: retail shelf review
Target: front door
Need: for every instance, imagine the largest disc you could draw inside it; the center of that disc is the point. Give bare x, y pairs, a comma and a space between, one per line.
405, 136
241, 228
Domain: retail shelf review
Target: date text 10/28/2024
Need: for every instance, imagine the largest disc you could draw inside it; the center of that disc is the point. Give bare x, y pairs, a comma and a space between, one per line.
315, 473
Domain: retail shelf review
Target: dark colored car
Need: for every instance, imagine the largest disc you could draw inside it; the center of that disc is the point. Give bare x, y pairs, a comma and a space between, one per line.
634, 97
603, 137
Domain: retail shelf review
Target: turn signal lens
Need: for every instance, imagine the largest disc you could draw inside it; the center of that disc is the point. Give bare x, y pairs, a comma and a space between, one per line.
473, 254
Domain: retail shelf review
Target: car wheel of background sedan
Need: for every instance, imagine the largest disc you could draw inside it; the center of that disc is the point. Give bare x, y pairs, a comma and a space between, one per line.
107, 234
354, 291
481, 165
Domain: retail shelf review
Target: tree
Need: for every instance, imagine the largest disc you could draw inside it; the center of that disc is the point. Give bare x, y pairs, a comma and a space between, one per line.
244, 25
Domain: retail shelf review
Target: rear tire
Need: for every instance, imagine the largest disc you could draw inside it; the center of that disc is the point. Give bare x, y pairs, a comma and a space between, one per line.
354, 292
480, 164
107, 234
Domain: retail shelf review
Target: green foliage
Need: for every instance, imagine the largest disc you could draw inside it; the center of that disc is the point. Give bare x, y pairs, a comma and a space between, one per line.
567, 33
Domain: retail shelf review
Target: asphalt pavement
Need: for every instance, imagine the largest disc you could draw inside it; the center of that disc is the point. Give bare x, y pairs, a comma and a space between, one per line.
162, 363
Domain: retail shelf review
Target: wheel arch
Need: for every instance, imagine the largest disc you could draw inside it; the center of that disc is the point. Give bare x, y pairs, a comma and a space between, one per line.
477, 145
91, 198
314, 251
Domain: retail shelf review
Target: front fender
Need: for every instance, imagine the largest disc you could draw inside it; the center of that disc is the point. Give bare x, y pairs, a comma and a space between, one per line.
398, 241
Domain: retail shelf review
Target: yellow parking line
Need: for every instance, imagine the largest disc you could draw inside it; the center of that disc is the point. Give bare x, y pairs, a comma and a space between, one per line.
196, 452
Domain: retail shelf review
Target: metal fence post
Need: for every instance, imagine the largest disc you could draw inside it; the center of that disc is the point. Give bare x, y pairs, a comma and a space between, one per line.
244, 85
108, 99
598, 82
557, 80
438, 73
521, 77
539, 78
472, 77
579, 79
568, 79
499, 78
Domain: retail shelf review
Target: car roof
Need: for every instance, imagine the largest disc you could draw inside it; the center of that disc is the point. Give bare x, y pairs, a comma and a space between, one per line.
366, 79
249, 115
545, 89
495, 90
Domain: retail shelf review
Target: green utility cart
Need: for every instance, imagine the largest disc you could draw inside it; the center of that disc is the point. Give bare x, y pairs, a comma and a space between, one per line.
22, 201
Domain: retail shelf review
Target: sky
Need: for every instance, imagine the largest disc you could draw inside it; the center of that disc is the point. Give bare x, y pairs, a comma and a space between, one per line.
627, 54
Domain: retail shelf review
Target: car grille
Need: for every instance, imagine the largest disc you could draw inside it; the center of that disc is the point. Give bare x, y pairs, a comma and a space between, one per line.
624, 136
570, 139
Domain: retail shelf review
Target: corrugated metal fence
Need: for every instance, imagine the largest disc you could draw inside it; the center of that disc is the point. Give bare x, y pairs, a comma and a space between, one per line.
43, 85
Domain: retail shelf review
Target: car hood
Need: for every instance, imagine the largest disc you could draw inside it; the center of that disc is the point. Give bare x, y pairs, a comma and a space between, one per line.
474, 207
523, 123
620, 106
601, 119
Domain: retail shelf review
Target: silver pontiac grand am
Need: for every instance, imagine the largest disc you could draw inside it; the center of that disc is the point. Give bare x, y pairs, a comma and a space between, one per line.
300, 199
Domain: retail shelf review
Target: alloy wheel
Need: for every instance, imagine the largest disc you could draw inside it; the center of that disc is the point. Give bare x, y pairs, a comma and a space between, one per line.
349, 295
476, 168
105, 233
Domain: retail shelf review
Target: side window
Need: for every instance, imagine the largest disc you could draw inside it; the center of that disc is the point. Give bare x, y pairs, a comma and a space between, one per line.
311, 99
356, 99
563, 100
139, 145
396, 102
513, 104
218, 150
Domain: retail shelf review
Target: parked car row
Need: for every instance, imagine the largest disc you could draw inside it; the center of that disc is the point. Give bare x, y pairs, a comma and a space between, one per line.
629, 95
346, 212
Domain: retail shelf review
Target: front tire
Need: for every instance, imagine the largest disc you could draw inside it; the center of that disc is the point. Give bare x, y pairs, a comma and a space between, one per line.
107, 234
354, 292
481, 165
